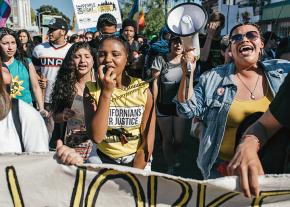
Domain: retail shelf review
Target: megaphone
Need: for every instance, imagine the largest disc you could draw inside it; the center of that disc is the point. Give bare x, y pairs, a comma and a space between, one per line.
186, 20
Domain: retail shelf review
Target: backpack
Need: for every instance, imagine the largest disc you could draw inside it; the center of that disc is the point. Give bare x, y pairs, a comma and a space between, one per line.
17, 122
167, 90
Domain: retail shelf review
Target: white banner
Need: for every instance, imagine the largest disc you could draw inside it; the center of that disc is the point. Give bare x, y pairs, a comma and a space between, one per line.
37, 180
88, 11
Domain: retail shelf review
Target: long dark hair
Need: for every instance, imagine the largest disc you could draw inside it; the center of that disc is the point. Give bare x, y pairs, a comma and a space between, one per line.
19, 55
64, 88
29, 44
5, 103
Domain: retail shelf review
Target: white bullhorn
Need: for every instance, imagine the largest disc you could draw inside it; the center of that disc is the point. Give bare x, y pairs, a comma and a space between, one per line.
187, 20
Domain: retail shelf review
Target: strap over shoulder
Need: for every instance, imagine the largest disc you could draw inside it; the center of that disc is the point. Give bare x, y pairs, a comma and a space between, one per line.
17, 122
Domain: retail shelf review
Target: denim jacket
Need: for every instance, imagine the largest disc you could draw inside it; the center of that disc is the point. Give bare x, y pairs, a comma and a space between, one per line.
211, 101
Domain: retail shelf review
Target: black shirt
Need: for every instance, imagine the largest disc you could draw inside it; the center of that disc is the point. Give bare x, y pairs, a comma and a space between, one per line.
280, 106
215, 57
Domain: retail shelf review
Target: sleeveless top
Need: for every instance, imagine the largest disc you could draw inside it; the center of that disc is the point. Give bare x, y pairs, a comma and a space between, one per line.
20, 86
239, 110
76, 134
125, 116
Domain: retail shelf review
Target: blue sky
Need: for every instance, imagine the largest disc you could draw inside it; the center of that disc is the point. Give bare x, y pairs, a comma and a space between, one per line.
65, 6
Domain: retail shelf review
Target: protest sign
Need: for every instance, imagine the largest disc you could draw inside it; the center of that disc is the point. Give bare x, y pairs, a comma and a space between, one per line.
38, 180
88, 11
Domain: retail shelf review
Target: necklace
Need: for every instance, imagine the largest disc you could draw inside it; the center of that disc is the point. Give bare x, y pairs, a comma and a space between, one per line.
251, 92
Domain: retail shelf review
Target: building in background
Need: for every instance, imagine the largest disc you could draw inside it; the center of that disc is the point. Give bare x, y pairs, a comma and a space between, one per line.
271, 15
276, 18
20, 17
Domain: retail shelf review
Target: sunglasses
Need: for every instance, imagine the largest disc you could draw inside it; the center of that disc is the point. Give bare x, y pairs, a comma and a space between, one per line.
105, 35
251, 35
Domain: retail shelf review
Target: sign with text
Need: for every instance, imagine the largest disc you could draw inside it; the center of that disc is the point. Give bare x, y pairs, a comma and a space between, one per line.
88, 11
38, 180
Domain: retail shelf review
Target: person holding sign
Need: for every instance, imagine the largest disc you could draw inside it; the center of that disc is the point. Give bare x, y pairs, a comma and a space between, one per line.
119, 111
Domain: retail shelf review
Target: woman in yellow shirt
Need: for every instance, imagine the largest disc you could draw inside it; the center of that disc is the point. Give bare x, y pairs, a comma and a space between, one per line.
119, 111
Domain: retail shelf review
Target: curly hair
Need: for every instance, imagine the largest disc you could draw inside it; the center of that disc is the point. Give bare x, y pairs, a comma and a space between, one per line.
64, 88
20, 54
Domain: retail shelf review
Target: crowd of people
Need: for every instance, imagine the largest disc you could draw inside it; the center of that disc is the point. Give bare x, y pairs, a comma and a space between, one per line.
103, 97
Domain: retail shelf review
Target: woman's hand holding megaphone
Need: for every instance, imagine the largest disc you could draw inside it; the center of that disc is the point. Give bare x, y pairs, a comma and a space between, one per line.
188, 61
188, 64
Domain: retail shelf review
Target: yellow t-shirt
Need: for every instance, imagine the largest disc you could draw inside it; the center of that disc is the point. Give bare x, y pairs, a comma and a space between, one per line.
126, 111
239, 110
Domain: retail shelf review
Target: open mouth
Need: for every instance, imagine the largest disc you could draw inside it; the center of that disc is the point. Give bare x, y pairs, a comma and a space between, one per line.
82, 66
246, 49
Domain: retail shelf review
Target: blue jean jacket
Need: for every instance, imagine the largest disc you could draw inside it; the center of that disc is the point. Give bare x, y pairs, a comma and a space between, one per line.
211, 101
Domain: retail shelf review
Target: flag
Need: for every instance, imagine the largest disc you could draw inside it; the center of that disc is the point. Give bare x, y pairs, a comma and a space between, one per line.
134, 10
141, 20
5, 10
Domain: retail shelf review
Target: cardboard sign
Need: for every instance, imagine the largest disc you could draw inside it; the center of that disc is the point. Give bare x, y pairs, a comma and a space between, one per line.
88, 11
38, 180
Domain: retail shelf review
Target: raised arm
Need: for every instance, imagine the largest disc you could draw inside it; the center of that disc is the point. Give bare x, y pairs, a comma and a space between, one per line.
99, 123
204, 52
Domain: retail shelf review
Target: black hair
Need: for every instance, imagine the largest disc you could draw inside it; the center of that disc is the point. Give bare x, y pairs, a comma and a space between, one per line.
125, 45
29, 44
283, 47
269, 36
173, 39
89, 33
106, 19
20, 54
64, 88
37, 40
27, 34
73, 38
129, 22
113, 37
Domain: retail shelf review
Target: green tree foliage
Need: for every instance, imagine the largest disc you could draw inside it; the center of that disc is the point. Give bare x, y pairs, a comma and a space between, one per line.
154, 21
154, 14
53, 11
155, 17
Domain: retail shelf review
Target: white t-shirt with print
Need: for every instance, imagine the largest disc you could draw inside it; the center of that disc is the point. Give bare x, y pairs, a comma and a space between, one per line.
48, 58
34, 131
